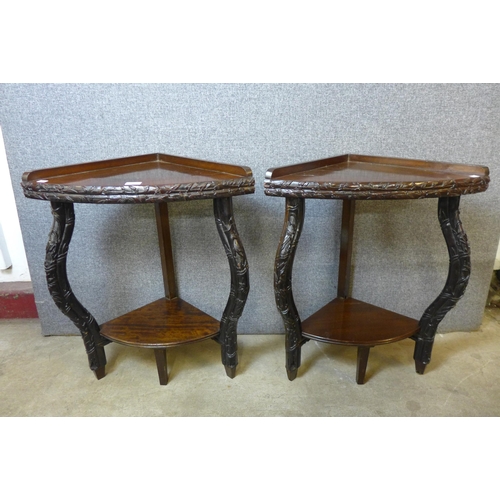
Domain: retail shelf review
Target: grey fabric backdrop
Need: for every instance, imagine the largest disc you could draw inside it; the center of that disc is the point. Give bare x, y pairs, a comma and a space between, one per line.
400, 258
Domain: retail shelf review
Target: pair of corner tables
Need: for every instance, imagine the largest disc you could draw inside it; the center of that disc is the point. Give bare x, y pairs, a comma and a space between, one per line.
170, 321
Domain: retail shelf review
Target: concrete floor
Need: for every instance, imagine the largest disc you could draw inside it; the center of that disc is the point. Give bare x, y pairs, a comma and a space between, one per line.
49, 376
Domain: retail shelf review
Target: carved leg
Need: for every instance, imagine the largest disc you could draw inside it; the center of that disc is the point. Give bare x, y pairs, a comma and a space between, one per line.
161, 365
60, 290
458, 277
363, 353
240, 284
294, 220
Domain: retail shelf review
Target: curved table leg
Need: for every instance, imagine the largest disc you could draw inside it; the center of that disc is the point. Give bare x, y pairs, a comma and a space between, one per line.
294, 220
458, 277
240, 284
60, 289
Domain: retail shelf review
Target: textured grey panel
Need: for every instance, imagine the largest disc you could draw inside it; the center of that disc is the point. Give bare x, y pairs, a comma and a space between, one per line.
400, 257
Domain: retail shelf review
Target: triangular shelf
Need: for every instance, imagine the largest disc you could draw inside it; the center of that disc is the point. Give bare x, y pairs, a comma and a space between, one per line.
352, 322
162, 323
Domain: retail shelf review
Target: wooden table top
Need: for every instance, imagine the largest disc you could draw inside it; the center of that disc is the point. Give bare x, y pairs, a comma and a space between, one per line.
374, 177
138, 179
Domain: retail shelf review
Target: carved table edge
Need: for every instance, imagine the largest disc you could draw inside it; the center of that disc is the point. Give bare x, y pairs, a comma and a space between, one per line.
374, 191
118, 195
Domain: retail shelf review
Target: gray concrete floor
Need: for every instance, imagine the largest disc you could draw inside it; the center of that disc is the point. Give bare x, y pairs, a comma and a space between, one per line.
49, 376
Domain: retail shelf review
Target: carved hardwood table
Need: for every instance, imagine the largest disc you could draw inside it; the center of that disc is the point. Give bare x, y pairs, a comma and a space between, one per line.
345, 320
158, 179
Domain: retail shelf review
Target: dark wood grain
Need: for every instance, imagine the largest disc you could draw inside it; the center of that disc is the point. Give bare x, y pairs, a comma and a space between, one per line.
369, 177
139, 179
353, 322
132, 163
359, 177
163, 323
154, 178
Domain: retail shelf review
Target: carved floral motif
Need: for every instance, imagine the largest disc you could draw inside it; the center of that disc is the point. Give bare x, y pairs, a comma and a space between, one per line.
456, 283
60, 289
376, 191
294, 220
240, 284
138, 194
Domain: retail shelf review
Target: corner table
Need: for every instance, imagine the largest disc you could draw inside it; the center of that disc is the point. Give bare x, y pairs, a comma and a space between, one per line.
350, 177
159, 179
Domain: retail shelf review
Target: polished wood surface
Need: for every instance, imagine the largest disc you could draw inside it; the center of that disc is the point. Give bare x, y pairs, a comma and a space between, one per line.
138, 179
370, 177
155, 178
163, 323
345, 320
150, 173
353, 322
150, 166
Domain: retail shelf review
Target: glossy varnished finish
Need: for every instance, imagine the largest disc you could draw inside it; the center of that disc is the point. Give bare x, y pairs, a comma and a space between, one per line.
163, 323
345, 320
370, 178
154, 179
140, 179
353, 322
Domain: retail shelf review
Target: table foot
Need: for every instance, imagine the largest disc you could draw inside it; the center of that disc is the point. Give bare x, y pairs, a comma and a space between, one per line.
456, 283
293, 358
362, 362
240, 284
60, 289
420, 367
100, 372
161, 365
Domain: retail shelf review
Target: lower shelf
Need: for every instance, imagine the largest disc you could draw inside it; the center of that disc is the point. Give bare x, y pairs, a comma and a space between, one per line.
352, 322
162, 323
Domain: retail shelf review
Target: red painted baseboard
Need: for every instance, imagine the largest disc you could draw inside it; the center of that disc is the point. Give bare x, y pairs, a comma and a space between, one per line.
17, 300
